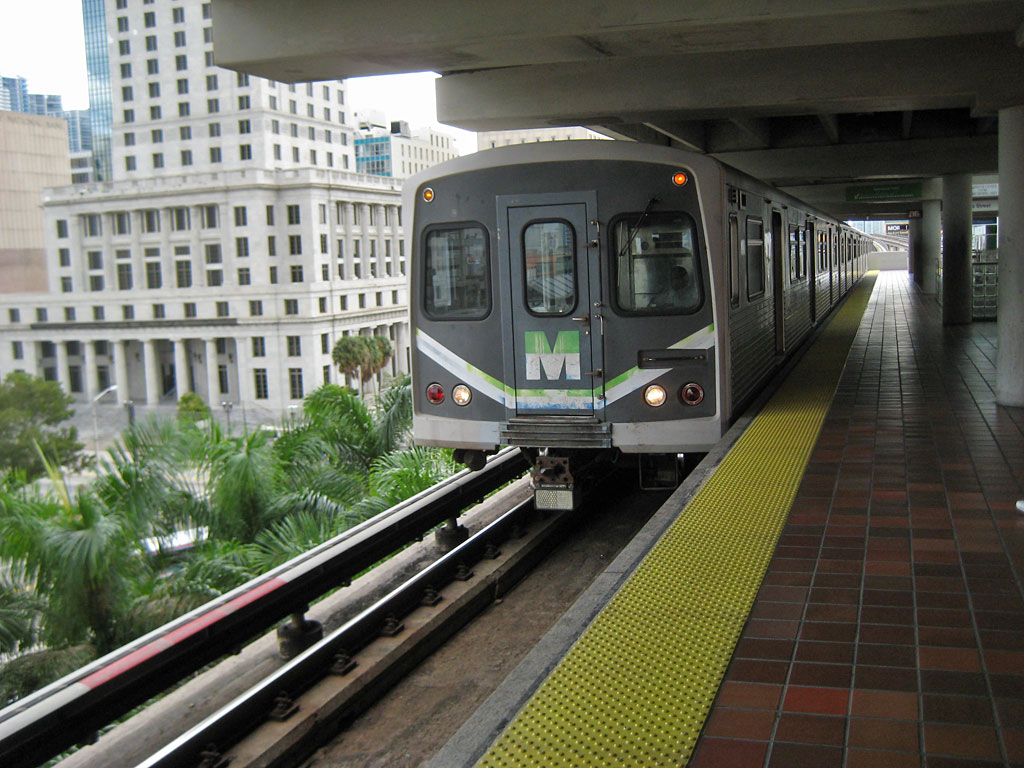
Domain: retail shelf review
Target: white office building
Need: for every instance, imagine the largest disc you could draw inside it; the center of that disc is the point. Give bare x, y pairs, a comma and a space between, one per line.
234, 245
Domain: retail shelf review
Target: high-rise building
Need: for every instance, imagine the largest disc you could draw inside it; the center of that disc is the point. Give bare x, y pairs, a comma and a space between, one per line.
399, 152
17, 98
231, 243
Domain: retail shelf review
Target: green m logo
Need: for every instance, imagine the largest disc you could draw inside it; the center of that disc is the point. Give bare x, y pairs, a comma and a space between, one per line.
541, 356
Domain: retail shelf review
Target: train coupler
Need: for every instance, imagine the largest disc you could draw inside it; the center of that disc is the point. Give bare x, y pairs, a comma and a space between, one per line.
554, 488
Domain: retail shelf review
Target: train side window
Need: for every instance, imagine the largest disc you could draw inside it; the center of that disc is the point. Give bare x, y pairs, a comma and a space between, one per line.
797, 253
734, 260
755, 257
657, 271
549, 267
457, 284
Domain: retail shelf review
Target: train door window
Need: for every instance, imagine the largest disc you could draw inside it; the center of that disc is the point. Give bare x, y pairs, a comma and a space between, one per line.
656, 268
457, 283
755, 257
734, 260
549, 267
794, 254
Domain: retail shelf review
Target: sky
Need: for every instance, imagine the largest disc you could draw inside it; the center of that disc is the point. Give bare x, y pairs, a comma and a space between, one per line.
42, 41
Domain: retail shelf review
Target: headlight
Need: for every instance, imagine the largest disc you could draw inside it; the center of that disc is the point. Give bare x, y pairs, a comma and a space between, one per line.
461, 394
655, 395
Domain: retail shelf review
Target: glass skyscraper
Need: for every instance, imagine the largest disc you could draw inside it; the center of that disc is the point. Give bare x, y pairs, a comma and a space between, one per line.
98, 67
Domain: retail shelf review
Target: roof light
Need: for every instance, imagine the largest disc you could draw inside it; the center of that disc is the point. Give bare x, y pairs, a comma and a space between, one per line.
679, 178
428, 195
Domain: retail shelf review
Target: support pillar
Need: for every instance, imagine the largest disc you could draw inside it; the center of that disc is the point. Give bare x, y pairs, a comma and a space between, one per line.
931, 226
89, 389
956, 249
95, 376
63, 378
124, 387
151, 362
914, 257
212, 382
1010, 360
180, 367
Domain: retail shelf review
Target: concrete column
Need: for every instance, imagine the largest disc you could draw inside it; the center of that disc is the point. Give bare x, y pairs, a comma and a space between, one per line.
96, 367
180, 367
956, 249
89, 388
31, 359
62, 366
402, 346
212, 380
151, 361
1010, 360
931, 227
119, 349
914, 257
243, 354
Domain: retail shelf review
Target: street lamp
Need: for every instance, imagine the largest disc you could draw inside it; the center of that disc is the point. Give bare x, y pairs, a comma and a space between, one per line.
95, 424
227, 405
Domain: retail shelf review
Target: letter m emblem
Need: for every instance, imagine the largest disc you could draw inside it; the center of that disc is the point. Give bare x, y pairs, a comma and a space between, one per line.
541, 357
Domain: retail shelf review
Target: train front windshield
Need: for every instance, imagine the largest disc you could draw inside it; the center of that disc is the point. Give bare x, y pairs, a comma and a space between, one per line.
656, 268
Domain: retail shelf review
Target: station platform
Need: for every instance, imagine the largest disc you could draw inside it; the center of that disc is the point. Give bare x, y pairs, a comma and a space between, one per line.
847, 594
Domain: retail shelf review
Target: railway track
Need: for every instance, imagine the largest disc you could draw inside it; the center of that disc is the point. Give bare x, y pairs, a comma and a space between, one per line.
69, 711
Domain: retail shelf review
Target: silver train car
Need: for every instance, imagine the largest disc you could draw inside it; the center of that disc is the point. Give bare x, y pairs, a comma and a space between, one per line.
598, 301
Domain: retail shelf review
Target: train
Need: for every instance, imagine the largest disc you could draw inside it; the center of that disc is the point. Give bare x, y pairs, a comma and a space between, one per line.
605, 301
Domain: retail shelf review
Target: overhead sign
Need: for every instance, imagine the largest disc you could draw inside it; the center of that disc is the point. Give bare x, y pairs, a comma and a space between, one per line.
897, 227
985, 190
883, 192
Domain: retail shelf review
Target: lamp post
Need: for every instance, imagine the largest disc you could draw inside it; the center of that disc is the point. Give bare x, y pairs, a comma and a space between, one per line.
227, 405
95, 423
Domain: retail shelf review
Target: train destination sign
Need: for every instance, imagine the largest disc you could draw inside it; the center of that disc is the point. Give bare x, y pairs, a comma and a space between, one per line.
883, 192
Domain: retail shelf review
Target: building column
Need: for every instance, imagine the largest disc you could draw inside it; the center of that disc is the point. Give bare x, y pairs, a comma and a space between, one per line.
1010, 360
97, 384
151, 362
119, 350
89, 388
243, 352
30, 350
402, 346
956, 249
61, 353
914, 257
180, 367
212, 381
931, 227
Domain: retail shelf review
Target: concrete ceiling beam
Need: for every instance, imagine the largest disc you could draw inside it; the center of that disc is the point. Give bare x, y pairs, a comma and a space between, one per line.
869, 77
830, 124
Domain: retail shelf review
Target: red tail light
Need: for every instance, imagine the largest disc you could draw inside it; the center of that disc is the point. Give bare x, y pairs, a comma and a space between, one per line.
692, 394
435, 394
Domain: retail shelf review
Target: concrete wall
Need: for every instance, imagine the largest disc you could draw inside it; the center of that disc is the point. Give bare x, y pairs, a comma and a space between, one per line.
33, 155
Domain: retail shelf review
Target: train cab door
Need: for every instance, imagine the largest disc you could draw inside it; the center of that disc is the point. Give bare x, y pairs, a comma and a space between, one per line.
778, 281
552, 323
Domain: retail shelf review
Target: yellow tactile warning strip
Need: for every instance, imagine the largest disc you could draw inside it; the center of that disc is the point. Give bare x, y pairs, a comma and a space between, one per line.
637, 686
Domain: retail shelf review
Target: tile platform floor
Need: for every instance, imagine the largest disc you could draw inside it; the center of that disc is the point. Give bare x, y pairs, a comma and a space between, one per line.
889, 630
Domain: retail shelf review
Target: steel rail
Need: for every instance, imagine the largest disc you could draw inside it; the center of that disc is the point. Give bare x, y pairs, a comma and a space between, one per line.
249, 710
70, 710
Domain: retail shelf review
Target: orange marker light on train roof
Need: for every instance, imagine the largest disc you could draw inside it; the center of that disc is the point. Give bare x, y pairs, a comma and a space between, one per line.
428, 194
679, 178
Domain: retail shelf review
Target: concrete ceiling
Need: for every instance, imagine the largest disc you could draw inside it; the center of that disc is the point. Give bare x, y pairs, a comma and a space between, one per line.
802, 93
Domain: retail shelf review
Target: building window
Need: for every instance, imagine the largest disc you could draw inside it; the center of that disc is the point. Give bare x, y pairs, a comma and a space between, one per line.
150, 42
17, 351
98, 313
295, 383
291, 306
159, 312
65, 285
259, 346
186, 157
122, 23
275, 126
213, 106
273, 275
243, 276
214, 278
295, 245
324, 247
152, 67
241, 247
69, 315
124, 47
41, 318
149, 19
64, 254
242, 80
179, 39
294, 346
181, 62
277, 151
95, 259
154, 90
222, 379
270, 218
294, 216
127, 94
14, 315
245, 152
211, 82
325, 271
295, 154
271, 245
158, 160
75, 378
208, 57
272, 102
62, 228
325, 343
184, 110
178, 15
208, 216
129, 116
183, 273
190, 309
255, 308
124, 277
214, 154
244, 102
260, 380
214, 130
181, 219
157, 135
296, 273
129, 163
241, 216
127, 312
213, 254
207, 34
222, 309
154, 279
182, 85
95, 282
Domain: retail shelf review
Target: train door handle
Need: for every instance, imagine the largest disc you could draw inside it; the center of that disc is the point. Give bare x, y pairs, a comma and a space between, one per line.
584, 318
599, 373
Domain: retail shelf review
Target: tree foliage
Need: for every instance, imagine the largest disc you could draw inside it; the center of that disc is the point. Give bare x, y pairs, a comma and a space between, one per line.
31, 413
192, 408
363, 356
